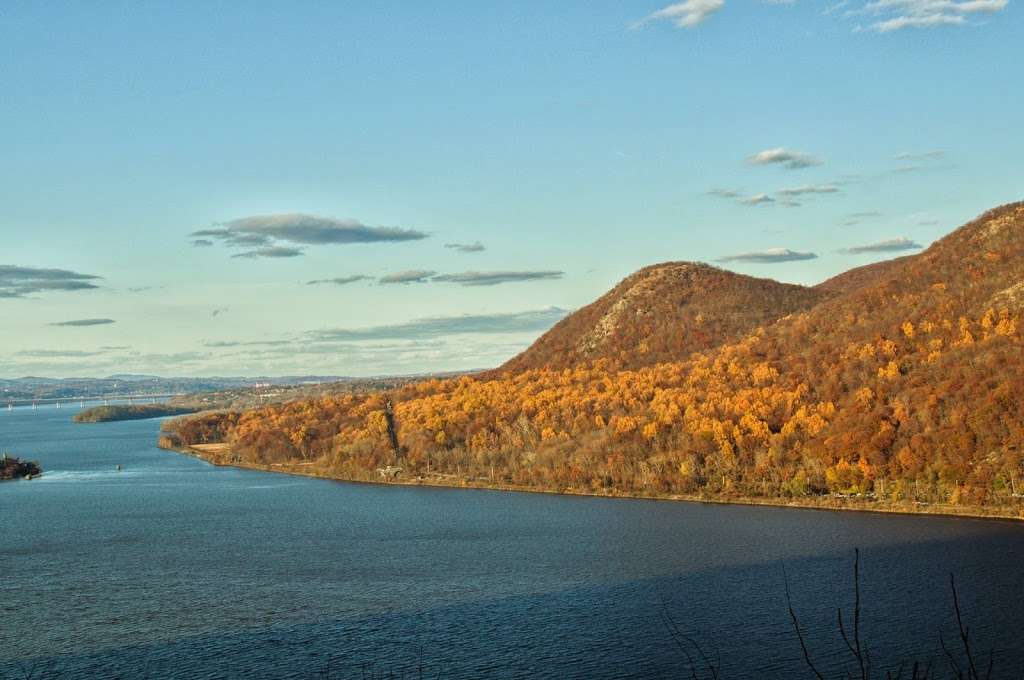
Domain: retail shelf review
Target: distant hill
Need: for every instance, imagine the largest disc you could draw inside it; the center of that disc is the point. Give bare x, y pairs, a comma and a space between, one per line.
896, 386
665, 312
107, 414
20, 390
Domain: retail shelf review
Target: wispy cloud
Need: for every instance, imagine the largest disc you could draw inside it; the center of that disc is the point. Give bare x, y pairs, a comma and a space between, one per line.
262, 232
856, 218
395, 356
57, 353
407, 276
229, 237
470, 278
895, 15
769, 256
338, 281
809, 189
758, 199
218, 344
494, 278
907, 169
514, 322
934, 155
787, 158
271, 252
84, 322
892, 245
786, 197
725, 193
476, 247
202, 242
683, 14
922, 167
16, 282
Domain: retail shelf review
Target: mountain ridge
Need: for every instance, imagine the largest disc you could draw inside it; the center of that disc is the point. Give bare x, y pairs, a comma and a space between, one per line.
665, 312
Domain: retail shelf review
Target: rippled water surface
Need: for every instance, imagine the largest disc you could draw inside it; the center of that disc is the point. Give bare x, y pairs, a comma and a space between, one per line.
172, 568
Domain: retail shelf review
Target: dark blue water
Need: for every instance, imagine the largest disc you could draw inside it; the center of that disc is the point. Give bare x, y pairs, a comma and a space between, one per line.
173, 568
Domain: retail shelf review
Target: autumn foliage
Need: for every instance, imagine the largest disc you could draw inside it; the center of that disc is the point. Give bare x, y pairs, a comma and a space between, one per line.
665, 312
906, 386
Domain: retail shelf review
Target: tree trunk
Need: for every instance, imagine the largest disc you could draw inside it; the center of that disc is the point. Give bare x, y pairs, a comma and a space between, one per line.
389, 416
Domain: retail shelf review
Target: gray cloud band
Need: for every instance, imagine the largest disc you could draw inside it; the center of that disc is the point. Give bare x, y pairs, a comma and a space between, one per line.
262, 234
16, 281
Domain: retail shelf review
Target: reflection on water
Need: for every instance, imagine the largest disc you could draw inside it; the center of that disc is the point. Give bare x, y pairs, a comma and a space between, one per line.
174, 568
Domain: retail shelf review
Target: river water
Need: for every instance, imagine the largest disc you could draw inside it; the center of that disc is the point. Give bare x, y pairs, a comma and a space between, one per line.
172, 568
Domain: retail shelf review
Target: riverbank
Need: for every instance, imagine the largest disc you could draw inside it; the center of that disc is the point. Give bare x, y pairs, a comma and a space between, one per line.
220, 455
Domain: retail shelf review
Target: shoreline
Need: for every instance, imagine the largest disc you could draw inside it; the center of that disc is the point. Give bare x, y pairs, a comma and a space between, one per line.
824, 503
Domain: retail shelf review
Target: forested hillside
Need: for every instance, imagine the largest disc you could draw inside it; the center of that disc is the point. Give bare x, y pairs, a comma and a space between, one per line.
904, 383
662, 313
859, 277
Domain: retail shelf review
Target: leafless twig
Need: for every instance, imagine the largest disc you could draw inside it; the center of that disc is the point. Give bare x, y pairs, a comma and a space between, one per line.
796, 627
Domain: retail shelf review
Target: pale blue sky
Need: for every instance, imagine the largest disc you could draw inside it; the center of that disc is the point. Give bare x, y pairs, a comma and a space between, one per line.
587, 138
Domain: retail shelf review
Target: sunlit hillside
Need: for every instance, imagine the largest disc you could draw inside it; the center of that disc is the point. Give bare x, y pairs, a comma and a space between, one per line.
903, 384
665, 313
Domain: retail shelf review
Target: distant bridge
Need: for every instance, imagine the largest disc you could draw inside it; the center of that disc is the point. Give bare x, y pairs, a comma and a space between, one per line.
81, 401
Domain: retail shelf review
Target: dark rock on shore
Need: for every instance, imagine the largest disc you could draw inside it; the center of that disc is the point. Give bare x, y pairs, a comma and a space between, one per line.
15, 468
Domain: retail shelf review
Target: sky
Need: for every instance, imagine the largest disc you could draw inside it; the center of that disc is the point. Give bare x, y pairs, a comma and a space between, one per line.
350, 188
